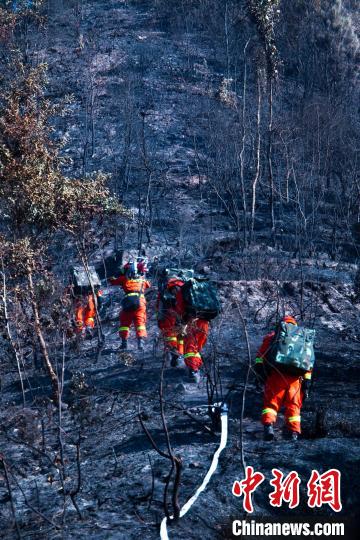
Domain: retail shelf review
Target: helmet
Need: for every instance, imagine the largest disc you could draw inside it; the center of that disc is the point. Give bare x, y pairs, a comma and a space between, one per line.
289, 319
130, 269
142, 265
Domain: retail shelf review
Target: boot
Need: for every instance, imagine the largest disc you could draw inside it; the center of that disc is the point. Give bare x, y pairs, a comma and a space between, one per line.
124, 344
89, 332
177, 361
173, 359
81, 333
195, 376
268, 432
181, 363
290, 435
140, 344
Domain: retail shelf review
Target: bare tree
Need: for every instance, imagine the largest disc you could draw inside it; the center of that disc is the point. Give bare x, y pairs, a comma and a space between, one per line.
257, 153
176, 462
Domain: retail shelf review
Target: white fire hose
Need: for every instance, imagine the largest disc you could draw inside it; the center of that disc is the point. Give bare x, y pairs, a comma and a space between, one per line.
213, 467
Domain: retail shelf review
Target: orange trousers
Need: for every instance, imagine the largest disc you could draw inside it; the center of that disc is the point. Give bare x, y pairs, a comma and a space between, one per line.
167, 325
283, 390
194, 341
85, 312
137, 317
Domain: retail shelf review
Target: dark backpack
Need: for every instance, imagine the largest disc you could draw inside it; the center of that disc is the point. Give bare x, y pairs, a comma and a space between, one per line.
110, 266
131, 301
167, 299
81, 283
201, 299
293, 349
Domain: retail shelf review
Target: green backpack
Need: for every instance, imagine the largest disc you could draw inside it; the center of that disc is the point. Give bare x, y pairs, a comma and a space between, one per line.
293, 349
201, 299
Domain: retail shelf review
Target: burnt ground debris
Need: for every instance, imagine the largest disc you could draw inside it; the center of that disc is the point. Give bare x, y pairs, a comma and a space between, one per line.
103, 399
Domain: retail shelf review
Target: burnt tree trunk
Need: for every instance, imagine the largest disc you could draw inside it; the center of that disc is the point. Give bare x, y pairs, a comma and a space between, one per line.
40, 336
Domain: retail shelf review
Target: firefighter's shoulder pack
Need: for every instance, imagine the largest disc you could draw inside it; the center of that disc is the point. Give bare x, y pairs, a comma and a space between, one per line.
201, 298
84, 281
132, 298
168, 276
293, 349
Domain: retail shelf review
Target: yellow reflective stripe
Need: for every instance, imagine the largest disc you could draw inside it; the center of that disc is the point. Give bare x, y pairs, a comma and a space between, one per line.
90, 318
132, 294
259, 360
171, 339
124, 328
141, 327
294, 419
192, 354
268, 410
181, 341
307, 376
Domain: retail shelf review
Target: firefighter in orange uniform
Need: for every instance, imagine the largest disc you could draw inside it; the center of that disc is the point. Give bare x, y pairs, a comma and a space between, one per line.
195, 337
169, 322
134, 284
85, 313
281, 389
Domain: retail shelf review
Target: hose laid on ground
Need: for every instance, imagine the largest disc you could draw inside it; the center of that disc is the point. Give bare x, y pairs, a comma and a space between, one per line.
213, 467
